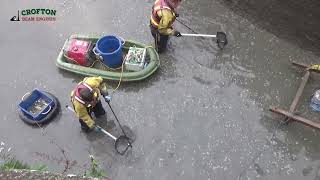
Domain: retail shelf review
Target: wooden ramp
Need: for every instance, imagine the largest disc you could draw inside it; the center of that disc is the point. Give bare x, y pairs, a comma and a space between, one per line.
290, 114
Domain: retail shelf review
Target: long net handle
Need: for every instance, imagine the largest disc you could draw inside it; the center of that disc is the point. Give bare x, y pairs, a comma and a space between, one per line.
119, 124
199, 35
186, 26
110, 135
106, 132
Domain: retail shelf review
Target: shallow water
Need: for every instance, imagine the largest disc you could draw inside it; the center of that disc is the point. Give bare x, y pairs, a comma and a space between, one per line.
202, 115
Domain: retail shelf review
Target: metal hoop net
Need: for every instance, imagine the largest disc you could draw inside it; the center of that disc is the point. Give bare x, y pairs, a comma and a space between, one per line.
122, 145
221, 39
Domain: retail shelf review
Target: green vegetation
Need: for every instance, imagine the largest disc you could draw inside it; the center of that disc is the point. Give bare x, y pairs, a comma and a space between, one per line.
8, 162
13, 163
94, 170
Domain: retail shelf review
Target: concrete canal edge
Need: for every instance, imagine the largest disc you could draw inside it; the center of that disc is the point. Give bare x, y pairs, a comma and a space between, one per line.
39, 175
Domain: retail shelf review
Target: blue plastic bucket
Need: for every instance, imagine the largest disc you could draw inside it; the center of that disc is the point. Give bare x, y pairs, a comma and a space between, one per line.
35, 95
109, 49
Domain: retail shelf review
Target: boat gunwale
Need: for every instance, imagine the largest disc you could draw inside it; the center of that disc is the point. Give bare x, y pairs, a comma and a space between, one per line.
105, 74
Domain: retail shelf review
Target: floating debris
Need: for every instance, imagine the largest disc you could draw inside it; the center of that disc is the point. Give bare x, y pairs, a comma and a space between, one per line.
37, 106
258, 169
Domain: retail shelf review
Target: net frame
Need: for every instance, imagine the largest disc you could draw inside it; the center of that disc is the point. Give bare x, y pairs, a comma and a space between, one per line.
221, 39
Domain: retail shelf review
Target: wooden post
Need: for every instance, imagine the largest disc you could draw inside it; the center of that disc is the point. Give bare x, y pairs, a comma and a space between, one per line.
290, 114
295, 117
299, 92
299, 64
304, 66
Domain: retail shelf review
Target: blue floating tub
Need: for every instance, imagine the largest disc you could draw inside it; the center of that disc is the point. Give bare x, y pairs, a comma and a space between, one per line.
37, 105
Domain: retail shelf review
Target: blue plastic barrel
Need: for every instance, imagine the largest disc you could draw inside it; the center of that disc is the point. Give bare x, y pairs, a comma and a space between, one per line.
109, 48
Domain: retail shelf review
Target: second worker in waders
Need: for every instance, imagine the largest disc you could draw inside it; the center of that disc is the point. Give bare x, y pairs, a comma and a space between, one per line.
162, 17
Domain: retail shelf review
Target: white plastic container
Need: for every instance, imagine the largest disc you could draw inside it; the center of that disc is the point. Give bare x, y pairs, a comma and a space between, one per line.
135, 59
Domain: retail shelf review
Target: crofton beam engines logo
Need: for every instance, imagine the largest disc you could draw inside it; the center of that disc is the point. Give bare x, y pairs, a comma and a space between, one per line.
30, 15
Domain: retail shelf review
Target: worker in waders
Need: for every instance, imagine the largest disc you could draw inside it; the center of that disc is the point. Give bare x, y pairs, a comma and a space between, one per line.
162, 17
85, 101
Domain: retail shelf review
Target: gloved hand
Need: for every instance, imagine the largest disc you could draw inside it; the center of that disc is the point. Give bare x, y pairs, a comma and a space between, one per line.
107, 98
177, 34
177, 15
104, 93
96, 128
103, 88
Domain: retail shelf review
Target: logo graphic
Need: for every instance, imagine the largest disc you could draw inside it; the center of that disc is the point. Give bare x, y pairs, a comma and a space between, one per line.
29, 15
14, 18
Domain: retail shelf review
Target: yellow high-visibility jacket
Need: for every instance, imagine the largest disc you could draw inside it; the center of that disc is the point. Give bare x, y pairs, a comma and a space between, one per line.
81, 109
167, 17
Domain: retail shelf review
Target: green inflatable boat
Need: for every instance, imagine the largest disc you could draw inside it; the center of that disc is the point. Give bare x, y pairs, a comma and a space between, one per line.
78, 56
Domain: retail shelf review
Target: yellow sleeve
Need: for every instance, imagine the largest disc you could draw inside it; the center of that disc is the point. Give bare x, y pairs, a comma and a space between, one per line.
82, 113
103, 87
93, 82
96, 82
166, 19
315, 66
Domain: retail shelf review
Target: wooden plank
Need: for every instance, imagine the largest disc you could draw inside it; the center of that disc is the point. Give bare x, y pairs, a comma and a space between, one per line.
299, 64
299, 92
295, 117
304, 66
